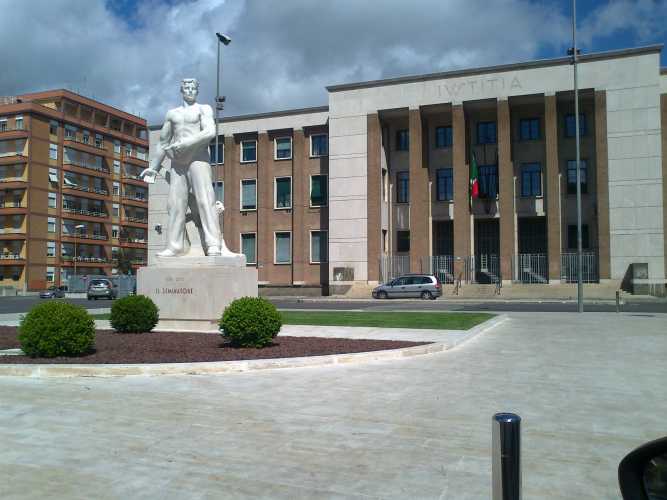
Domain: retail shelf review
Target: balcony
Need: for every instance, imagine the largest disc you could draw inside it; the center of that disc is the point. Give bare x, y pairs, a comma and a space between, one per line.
12, 207
133, 242
8, 132
86, 236
134, 199
83, 164
136, 220
12, 233
11, 256
8, 182
134, 159
85, 189
84, 212
83, 142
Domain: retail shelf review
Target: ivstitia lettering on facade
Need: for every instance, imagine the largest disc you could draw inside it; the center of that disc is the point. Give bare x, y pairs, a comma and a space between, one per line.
173, 291
478, 86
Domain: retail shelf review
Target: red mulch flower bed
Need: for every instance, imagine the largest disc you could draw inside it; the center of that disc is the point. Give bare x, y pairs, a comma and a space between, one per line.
174, 347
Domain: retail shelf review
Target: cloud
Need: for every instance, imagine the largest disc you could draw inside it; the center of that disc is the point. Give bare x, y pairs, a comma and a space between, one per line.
282, 55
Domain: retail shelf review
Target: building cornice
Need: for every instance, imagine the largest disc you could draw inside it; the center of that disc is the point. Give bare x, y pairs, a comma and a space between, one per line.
539, 63
271, 114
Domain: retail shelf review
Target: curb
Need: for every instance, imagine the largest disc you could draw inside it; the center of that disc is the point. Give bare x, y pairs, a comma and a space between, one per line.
219, 367
214, 367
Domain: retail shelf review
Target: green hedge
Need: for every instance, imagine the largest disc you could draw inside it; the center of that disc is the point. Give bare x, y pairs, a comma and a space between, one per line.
134, 314
57, 329
250, 322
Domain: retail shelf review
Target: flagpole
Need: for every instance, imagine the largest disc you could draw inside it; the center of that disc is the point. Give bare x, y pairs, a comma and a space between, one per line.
580, 286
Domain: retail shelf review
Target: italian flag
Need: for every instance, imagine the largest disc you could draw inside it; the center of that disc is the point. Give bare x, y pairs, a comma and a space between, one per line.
474, 179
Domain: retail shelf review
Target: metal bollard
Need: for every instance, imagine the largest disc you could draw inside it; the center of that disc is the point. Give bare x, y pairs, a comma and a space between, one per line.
506, 469
618, 301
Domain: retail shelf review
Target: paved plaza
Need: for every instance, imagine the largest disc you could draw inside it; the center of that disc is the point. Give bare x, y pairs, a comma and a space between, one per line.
588, 387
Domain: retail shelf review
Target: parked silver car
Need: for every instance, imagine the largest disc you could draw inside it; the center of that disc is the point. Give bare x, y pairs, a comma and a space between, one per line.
425, 286
101, 288
53, 292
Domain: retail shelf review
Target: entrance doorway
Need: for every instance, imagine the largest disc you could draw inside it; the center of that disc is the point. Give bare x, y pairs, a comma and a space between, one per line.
443, 237
531, 263
487, 250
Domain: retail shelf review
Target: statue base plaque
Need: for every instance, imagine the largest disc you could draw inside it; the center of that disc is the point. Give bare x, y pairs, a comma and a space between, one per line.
192, 292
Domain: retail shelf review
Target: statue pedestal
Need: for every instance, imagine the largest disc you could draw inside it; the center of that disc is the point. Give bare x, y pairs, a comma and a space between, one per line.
192, 292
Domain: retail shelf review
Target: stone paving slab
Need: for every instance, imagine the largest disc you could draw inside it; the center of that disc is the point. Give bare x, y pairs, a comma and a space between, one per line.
589, 388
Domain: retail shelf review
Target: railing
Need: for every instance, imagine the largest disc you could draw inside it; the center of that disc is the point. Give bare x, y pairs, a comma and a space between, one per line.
82, 258
441, 266
136, 219
132, 240
136, 177
12, 204
12, 179
87, 143
530, 268
138, 262
11, 256
11, 230
81, 211
134, 197
487, 268
7, 128
392, 266
82, 164
101, 237
569, 266
76, 187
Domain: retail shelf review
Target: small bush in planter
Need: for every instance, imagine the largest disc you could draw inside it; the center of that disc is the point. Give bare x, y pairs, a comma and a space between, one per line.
134, 314
57, 329
250, 322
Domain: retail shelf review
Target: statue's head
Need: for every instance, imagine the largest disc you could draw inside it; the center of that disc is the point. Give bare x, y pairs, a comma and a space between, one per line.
189, 89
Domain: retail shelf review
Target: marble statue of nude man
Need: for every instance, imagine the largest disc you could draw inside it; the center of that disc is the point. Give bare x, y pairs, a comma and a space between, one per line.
185, 138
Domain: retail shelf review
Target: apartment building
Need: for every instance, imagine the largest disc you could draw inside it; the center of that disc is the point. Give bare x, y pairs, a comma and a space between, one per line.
71, 201
400, 156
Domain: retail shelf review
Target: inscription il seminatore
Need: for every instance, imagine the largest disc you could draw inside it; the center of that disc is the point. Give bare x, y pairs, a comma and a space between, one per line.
173, 291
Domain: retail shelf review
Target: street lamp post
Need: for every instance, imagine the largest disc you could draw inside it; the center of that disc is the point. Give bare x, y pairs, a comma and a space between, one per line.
574, 52
219, 100
77, 232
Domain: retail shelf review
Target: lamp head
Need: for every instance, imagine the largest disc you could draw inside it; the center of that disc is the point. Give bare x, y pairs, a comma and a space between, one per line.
223, 38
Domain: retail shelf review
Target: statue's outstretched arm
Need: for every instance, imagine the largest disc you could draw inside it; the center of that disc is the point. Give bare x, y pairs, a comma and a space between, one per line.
160, 152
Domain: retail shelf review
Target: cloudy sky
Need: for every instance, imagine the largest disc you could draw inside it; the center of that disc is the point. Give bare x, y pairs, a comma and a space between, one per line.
133, 53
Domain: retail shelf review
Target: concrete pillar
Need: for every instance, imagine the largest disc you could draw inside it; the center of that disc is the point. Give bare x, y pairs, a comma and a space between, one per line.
373, 195
418, 193
264, 211
461, 189
232, 195
663, 120
552, 187
602, 184
300, 188
505, 190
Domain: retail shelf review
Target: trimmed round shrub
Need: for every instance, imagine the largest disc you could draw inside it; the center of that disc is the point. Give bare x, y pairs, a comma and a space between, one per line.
134, 314
57, 329
250, 322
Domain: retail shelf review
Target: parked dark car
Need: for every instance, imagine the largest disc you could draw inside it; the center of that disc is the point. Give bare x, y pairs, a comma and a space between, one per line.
53, 292
425, 286
101, 288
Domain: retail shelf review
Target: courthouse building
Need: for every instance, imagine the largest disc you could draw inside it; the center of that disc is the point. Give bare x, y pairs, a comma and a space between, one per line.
70, 196
376, 183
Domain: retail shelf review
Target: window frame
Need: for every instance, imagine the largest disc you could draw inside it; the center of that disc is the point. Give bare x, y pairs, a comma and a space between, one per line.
254, 233
275, 147
530, 121
241, 195
275, 192
216, 184
221, 149
486, 125
584, 169
523, 171
398, 240
54, 221
241, 150
52, 196
53, 151
398, 144
310, 257
310, 194
437, 184
446, 143
399, 175
275, 248
583, 128
326, 135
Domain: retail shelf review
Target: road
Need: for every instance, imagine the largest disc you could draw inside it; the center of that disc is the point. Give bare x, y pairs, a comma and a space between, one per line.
24, 304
